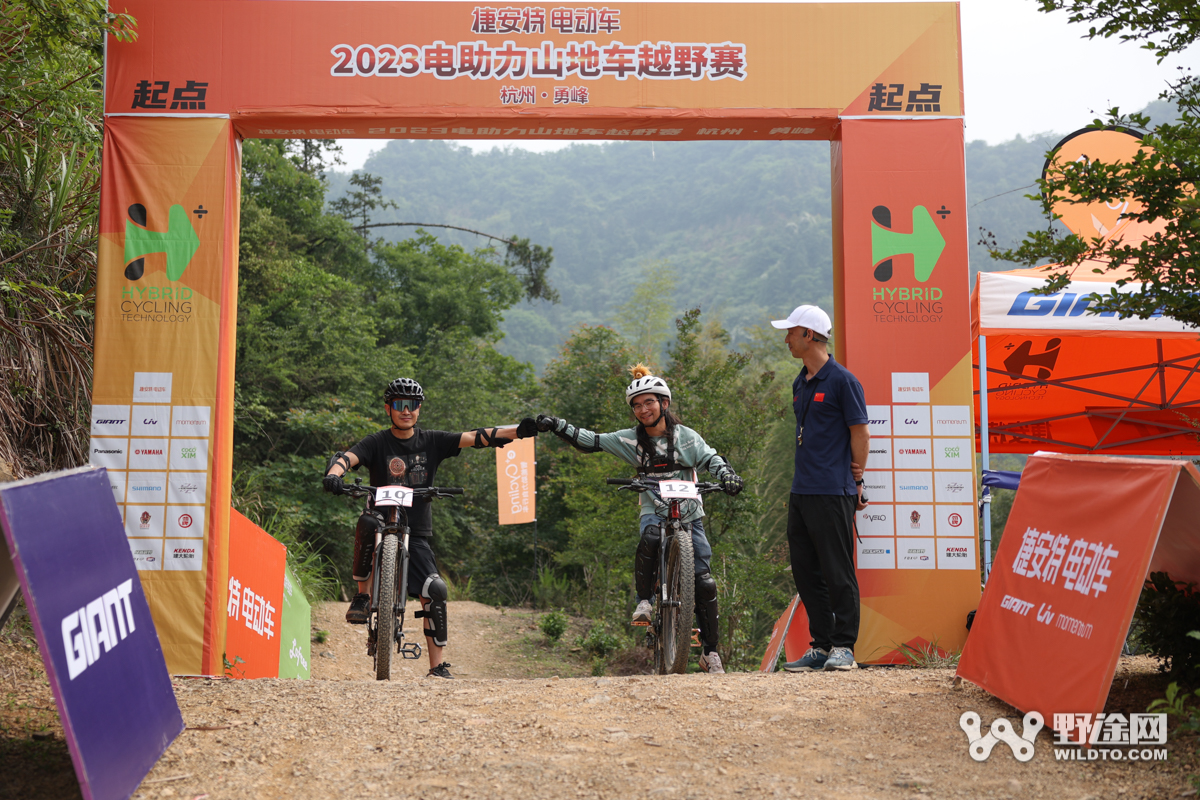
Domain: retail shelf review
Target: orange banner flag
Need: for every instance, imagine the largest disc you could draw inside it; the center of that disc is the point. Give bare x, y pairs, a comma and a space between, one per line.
516, 482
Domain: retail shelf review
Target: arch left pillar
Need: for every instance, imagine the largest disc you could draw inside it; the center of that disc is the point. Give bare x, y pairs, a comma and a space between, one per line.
162, 391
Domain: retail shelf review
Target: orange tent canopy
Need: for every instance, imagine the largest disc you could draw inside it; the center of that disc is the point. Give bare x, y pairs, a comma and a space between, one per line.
1061, 378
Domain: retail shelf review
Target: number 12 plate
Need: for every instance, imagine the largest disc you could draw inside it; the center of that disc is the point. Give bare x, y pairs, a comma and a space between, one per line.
681, 490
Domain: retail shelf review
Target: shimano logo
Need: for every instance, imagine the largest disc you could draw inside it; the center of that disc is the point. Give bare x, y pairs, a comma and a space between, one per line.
102, 623
913, 488
144, 488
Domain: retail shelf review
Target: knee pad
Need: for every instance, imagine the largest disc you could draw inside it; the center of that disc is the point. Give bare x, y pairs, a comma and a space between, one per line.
364, 546
437, 593
651, 536
706, 588
645, 561
706, 610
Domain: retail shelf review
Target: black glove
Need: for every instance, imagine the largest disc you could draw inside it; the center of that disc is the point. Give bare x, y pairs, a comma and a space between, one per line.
333, 484
731, 484
526, 428
547, 423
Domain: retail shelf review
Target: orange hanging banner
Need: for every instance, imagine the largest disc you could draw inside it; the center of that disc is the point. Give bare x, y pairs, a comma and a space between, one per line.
516, 482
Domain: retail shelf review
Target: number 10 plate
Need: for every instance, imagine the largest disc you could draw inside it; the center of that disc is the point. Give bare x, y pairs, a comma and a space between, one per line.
394, 496
681, 490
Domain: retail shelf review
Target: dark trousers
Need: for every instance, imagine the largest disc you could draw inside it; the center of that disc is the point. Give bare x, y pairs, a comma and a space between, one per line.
821, 540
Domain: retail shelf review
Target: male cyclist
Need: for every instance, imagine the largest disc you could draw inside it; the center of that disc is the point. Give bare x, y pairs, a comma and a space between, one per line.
661, 448
408, 455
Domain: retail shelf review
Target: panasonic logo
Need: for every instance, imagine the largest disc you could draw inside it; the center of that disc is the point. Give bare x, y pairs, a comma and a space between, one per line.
102, 623
118, 451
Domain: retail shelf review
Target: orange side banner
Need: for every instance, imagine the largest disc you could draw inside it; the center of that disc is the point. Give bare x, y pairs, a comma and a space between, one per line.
255, 607
1082, 535
162, 414
516, 482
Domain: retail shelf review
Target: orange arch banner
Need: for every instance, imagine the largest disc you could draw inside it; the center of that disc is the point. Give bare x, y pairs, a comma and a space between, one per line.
881, 82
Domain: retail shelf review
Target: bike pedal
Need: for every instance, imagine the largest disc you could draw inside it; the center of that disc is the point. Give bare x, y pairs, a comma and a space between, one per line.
640, 624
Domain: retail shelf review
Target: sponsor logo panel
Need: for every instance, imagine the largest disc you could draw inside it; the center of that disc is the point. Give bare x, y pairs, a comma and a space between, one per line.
116, 480
956, 554
110, 420
876, 520
956, 520
913, 454
147, 554
152, 387
190, 421
189, 454
141, 520
879, 420
147, 488
183, 555
955, 487
879, 456
876, 553
953, 421
148, 454
187, 487
910, 387
185, 522
914, 487
877, 486
109, 453
953, 453
910, 421
914, 520
151, 421
916, 553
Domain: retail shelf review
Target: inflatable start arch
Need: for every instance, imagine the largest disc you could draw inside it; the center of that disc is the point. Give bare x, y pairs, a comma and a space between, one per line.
881, 82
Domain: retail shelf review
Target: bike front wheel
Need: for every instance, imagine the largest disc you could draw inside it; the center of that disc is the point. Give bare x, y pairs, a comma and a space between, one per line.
680, 604
387, 610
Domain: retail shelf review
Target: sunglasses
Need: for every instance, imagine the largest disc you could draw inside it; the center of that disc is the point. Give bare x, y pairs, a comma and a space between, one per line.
405, 404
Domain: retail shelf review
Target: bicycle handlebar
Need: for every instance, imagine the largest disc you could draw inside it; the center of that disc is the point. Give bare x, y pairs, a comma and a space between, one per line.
649, 484
355, 490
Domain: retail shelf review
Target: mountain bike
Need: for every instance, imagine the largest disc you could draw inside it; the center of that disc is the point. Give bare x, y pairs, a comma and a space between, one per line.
670, 631
389, 577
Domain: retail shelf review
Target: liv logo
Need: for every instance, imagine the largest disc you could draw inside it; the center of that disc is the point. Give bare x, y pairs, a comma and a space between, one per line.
179, 242
1001, 731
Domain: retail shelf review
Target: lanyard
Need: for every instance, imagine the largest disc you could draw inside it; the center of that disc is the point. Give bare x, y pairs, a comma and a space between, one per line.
807, 405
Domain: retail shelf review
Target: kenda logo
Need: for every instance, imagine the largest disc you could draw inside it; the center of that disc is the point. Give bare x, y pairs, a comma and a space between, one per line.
956, 552
102, 623
184, 552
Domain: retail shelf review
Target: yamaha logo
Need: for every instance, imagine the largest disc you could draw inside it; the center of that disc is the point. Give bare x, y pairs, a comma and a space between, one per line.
912, 451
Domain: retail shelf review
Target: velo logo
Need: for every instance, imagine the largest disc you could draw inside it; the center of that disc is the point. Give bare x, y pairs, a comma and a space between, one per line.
1001, 730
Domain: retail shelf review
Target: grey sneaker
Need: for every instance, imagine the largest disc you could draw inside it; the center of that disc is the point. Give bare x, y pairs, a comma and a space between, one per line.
643, 613
711, 663
811, 661
840, 658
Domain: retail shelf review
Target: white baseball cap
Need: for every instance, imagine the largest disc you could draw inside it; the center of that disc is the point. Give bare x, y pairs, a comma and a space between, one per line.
809, 317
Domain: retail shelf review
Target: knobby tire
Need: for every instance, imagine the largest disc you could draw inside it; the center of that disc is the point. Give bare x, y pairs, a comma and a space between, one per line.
681, 586
386, 644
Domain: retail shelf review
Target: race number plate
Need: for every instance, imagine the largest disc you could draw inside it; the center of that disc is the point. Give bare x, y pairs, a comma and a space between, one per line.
394, 496
681, 490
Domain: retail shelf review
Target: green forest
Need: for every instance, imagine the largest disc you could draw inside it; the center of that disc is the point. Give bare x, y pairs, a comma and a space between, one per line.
676, 255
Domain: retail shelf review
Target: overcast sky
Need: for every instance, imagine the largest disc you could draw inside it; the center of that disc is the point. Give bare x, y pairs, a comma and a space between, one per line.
1024, 72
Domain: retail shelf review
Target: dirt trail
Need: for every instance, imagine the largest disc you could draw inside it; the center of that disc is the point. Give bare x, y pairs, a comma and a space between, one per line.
507, 727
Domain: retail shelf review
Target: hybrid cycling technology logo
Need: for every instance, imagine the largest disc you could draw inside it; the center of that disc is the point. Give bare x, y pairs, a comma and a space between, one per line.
179, 242
925, 244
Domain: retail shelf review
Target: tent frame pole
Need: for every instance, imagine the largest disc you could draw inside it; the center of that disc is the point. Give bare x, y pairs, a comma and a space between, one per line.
985, 499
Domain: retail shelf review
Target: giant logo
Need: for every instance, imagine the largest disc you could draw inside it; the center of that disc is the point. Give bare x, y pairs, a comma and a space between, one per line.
97, 628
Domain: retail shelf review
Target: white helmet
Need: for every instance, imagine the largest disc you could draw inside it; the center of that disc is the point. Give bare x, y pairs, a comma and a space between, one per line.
644, 382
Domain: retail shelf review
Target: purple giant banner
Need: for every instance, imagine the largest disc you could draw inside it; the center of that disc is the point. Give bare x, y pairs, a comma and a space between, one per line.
67, 543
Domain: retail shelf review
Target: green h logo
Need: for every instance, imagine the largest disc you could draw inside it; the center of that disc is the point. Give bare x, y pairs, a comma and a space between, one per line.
924, 244
180, 242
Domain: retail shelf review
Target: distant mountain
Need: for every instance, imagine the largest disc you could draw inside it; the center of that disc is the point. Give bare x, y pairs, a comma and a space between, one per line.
745, 225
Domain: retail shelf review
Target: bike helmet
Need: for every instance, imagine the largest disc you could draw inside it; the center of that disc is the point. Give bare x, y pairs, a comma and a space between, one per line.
403, 387
644, 382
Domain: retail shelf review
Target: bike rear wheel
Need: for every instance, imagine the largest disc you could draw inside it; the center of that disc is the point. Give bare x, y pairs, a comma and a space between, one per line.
387, 610
680, 607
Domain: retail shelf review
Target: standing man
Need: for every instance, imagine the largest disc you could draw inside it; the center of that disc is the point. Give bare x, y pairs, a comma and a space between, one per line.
831, 447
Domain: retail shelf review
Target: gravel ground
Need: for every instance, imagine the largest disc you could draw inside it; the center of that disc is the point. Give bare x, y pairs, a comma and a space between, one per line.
506, 728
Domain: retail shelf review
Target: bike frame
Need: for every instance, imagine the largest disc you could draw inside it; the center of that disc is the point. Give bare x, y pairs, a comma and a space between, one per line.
393, 526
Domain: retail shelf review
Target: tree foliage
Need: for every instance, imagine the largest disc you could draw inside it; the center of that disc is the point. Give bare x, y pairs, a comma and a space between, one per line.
1159, 182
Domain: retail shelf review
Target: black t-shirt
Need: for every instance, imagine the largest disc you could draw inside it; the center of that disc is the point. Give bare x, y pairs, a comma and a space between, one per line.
408, 462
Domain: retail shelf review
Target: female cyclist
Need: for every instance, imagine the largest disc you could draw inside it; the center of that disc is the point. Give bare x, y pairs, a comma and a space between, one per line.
661, 448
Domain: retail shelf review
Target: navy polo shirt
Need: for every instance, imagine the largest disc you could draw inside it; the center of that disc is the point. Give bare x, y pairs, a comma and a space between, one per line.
828, 404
